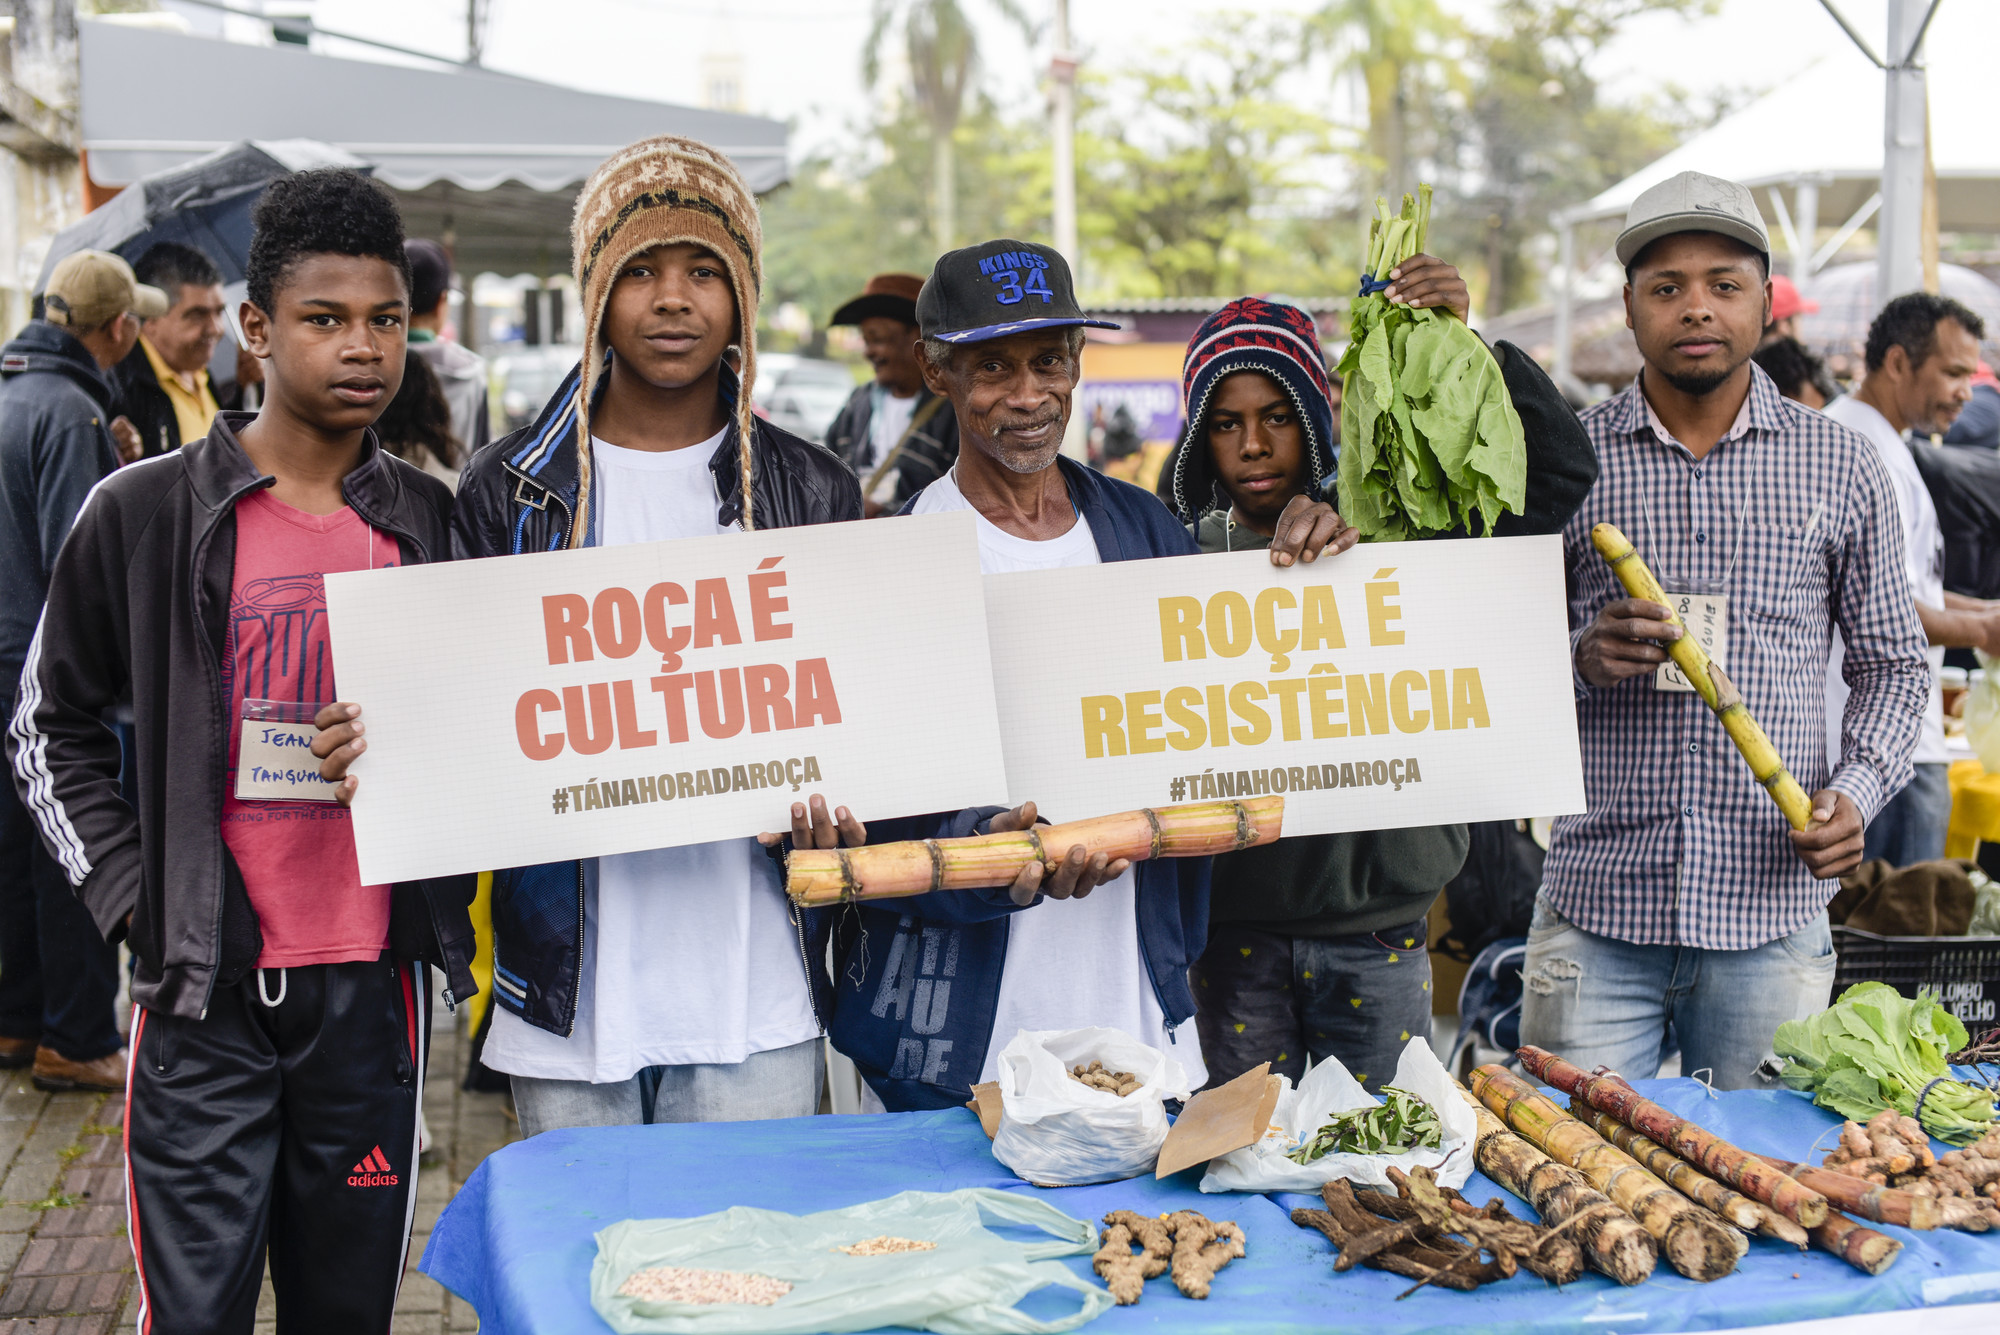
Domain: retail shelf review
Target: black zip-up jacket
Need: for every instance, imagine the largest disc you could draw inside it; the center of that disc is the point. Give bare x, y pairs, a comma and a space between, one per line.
55, 445
519, 495
143, 401
140, 600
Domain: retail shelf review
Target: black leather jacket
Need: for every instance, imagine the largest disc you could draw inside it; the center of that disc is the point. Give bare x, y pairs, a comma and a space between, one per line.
139, 601
519, 495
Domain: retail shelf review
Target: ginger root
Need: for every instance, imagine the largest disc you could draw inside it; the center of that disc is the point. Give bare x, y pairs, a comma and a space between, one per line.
1194, 1246
1892, 1150
1120, 1083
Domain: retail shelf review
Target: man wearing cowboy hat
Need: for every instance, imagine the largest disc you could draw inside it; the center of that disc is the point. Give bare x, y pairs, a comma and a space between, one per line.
895, 434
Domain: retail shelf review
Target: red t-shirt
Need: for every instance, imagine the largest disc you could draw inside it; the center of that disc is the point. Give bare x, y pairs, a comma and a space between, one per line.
297, 858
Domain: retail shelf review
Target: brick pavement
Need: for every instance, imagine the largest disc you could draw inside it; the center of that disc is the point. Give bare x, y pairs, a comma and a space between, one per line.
65, 1263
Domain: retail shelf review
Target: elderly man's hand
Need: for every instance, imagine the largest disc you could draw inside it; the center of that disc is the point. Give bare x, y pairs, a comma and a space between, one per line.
1308, 530
1074, 877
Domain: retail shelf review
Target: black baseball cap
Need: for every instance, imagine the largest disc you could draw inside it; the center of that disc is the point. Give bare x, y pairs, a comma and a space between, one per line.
997, 288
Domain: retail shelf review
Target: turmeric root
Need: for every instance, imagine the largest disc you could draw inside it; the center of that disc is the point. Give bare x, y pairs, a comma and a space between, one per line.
1202, 1246
1151, 1234
1892, 1152
1194, 1246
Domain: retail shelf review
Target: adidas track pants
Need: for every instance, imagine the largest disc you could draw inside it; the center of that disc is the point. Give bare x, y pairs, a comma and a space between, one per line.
288, 1128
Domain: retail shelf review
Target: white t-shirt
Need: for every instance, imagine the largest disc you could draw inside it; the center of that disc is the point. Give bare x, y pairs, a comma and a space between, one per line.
1923, 559
689, 954
888, 418
1076, 963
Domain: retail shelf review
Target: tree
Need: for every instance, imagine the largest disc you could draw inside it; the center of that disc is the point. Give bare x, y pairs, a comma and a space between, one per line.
1401, 51
1197, 179
942, 49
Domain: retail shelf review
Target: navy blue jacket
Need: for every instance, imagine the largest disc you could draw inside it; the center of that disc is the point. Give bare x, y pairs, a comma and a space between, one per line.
55, 445
518, 495
915, 986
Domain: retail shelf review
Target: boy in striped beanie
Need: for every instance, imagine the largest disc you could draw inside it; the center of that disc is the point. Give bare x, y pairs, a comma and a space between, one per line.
1317, 945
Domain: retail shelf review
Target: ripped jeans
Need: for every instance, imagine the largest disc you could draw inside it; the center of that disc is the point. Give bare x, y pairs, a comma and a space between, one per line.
1600, 1002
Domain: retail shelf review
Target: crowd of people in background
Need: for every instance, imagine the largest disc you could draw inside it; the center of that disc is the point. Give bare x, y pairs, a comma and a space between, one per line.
281, 1007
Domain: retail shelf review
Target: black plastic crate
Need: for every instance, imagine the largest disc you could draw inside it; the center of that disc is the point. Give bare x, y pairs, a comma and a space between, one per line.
1962, 973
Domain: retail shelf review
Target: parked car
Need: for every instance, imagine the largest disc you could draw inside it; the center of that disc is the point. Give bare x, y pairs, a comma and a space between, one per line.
525, 377
801, 394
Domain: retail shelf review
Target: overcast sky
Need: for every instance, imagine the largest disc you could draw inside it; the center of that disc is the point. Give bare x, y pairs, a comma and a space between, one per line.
802, 57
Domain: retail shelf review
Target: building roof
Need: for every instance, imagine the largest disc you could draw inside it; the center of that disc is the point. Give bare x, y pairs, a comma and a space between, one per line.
520, 146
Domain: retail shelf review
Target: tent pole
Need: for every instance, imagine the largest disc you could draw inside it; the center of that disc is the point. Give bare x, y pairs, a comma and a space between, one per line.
1806, 217
1899, 249
1565, 265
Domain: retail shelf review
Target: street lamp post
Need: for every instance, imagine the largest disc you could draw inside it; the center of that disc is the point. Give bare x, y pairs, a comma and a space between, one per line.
1062, 134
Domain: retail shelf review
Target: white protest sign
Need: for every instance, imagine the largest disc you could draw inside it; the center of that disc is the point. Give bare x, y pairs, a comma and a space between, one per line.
1397, 684
535, 708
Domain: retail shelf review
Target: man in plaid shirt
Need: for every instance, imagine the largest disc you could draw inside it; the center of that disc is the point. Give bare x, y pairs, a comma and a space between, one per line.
1682, 900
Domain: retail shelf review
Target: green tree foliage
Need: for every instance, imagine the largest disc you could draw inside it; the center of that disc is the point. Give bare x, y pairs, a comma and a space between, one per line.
1402, 50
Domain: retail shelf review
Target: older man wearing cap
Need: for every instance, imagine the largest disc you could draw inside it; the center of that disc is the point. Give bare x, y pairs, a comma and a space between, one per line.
58, 978
1680, 900
927, 993
896, 434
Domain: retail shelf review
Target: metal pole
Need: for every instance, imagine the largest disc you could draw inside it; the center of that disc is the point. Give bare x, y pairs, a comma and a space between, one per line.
1805, 211
1062, 133
475, 31
1899, 265
1565, 265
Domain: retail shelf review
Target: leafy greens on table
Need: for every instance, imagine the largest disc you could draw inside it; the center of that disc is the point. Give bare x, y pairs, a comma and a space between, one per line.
1402, 1121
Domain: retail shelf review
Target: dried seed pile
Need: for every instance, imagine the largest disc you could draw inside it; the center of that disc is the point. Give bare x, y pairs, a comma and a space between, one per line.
885, 1245
680, 1284
1194, 1246
1120, 1083
1893, 1151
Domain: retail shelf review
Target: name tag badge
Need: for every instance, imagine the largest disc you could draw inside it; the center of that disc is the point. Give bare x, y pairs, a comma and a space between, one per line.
274, 759
1706, 616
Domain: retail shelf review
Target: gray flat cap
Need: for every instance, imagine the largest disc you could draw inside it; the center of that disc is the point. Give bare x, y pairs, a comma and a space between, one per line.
1692, 202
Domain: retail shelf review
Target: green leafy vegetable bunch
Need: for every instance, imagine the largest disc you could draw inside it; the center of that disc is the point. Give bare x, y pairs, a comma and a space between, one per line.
1874, 1048
1401, 1122
1430, 440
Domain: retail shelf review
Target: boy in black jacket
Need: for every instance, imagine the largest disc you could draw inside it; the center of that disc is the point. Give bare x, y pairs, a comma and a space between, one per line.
279, 1040
1317, 944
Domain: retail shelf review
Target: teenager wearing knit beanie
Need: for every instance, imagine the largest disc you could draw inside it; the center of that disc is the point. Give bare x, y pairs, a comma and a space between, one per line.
1317, 945
675, 984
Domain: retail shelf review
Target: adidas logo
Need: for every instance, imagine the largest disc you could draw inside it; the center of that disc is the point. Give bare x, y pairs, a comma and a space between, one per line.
373, 1171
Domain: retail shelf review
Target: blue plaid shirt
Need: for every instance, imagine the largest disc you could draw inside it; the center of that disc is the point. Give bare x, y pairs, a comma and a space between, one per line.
1795, 519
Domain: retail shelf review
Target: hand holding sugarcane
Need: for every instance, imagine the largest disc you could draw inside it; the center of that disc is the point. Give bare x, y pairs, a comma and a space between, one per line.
1627, 640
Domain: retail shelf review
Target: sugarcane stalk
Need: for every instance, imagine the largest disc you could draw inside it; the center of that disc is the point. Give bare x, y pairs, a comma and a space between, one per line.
815, 876
1614, 1243
1708, 680
1861, 1247
1712, 1154
1694, 1241
1880, 1204
1676, 1172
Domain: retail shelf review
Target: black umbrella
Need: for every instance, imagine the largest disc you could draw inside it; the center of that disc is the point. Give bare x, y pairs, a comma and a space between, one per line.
205, 204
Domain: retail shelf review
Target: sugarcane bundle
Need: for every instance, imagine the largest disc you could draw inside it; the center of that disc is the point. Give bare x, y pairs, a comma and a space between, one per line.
1861, 1247
1691, 1182
918, 866
1707, 1151
1708, 679
1694, 1241
1614, 1243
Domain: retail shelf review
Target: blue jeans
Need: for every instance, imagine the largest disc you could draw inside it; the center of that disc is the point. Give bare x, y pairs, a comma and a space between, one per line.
1600, 1002
783, 1082
1910, 828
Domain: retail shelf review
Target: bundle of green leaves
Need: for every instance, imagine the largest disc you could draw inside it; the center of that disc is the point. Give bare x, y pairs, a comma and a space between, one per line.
1402, 1121
1874, 1048
1430, 441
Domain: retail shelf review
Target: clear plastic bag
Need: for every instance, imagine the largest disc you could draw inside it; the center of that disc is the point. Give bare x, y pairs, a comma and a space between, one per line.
1056, 1131
1982, 714
1328, 1089
967, 1285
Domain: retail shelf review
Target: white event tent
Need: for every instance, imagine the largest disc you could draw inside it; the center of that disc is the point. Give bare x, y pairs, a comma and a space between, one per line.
1811, 152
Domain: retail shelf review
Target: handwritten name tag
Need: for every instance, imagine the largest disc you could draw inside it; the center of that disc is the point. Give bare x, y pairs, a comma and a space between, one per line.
274, 759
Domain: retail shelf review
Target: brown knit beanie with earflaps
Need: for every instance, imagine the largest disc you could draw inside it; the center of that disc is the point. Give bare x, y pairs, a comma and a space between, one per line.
659, 192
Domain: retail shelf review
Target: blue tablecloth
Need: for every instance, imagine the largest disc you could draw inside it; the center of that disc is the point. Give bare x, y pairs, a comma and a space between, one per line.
517, 1242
